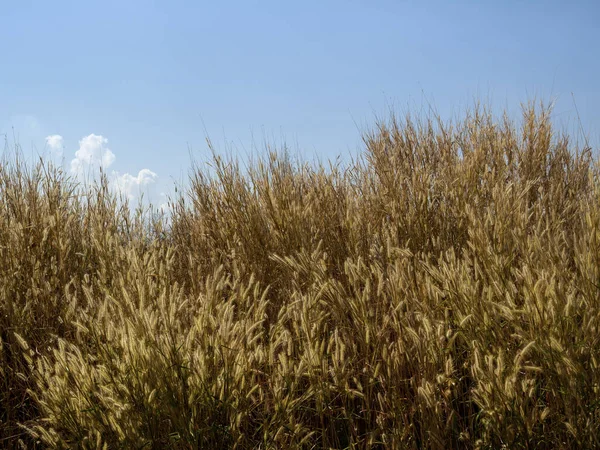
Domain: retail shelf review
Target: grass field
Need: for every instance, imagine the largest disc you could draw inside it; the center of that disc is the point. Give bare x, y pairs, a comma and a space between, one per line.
442, 291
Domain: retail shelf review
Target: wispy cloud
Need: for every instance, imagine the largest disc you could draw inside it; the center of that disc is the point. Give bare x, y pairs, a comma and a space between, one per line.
55, 143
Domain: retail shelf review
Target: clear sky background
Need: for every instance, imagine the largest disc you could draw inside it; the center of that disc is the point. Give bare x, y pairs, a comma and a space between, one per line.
135, 85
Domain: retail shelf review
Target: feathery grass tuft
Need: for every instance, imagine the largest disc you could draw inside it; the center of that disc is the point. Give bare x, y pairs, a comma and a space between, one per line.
442, 291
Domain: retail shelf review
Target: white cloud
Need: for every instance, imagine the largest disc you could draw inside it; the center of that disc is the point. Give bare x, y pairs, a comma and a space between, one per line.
56, 144
92, 154
132, 187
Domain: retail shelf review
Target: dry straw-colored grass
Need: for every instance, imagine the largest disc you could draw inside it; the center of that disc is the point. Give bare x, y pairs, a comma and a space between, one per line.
442, 292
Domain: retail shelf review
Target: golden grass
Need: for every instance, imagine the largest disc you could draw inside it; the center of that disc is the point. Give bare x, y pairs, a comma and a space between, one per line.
442, 292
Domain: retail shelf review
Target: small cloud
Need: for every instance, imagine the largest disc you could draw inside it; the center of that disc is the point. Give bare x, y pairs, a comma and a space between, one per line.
22, 132
92, 154
56, 144
164, 206
23, 124
134, 186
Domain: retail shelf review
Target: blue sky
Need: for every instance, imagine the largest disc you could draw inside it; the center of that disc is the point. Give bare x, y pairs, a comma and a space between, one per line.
138, 84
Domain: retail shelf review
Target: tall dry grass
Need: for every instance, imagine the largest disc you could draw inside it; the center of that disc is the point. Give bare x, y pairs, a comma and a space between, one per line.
442, 291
